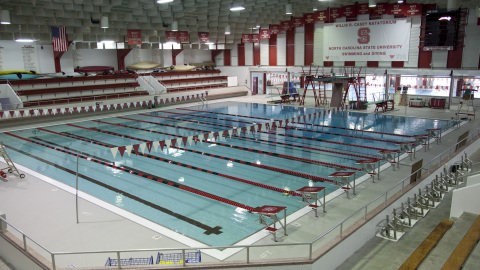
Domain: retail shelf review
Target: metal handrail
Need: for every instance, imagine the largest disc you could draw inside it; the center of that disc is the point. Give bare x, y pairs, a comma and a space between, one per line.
340, 225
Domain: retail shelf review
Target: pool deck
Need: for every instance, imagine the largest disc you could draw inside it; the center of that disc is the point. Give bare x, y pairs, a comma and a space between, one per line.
45, 210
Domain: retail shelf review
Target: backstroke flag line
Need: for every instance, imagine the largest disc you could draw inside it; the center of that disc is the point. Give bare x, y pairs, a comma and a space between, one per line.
59, 39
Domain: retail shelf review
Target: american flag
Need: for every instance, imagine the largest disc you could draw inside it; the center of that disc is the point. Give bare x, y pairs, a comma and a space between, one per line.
59, 39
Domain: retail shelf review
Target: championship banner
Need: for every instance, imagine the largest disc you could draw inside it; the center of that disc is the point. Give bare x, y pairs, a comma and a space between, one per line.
203, 37
321, 15
274, 29
309, 18
246, 38
335, 13
264, 33
363, 9
413, 9
297, 21
379, 40
350, 12
134, 36
171, 36
255, 38
183, 37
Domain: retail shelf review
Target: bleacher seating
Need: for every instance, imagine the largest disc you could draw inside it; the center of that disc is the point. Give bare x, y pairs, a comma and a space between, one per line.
179, 81
52, 91
422, 251
462, 251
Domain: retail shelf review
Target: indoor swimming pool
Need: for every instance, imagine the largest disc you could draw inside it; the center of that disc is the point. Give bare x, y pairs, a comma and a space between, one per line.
207, 190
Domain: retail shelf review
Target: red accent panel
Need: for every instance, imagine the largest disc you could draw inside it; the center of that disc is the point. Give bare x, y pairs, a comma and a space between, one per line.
397, 64
349, 63
175, 52
454, 58
272, 50
227, 58
328, 63
256, 54
308, 52
241, 54
121, 54
424, 59
215, 53
290, 47
372, 64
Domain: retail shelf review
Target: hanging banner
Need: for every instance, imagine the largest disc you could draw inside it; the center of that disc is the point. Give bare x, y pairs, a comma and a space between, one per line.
379, 40
255, 38
297, 21
274, 29
363, 9
134, 36
350, 12
264, 33
171, 36
321, 15
246, 38
335, 13
203, 37
413, 9
309, 18
285, 26
183, 37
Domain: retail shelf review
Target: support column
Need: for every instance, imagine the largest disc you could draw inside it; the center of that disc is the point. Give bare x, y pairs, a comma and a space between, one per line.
290, 53
227, 58
175, 52
241, 54
56, 59
121, 54
308, 49
256, 54
272, 50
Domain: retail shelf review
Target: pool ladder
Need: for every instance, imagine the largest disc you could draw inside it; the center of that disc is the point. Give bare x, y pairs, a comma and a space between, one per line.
11, 168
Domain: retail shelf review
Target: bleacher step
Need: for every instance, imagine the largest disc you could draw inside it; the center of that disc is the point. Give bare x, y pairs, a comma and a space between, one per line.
473, 260
442, 251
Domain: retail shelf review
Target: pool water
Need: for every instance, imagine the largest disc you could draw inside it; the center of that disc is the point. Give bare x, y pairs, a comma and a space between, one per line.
206, 190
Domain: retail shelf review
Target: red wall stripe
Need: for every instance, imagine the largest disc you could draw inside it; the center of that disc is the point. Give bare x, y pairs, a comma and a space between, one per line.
308, 51
227, 57
424, 58
397, 64
272, 50
328, 63
241, 54
121, 54
256, 54
290, 53
349, 63
372, 64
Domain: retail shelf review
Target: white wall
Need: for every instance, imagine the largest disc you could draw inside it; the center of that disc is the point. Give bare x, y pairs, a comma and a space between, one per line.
264, 52
412, 62
38, 58
465, 200
318, 47
90, 57
281, 49
242, 73
471, 51
473, 180
248, 54
234, 56
299, 46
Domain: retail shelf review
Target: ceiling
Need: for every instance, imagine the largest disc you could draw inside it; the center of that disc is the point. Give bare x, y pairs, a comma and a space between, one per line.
81, 17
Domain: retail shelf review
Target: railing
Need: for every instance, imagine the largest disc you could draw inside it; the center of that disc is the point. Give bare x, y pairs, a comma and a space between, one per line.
252, 254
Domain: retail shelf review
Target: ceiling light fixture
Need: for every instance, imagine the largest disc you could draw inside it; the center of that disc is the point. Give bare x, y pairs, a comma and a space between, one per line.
237, 7
372, 3
164, 1
5, 17
288, 9
25, 40
104, 22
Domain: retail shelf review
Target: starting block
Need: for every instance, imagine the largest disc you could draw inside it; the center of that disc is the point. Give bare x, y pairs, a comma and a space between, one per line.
371, 166
271, 212
310, 196
344, 179
392, 156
